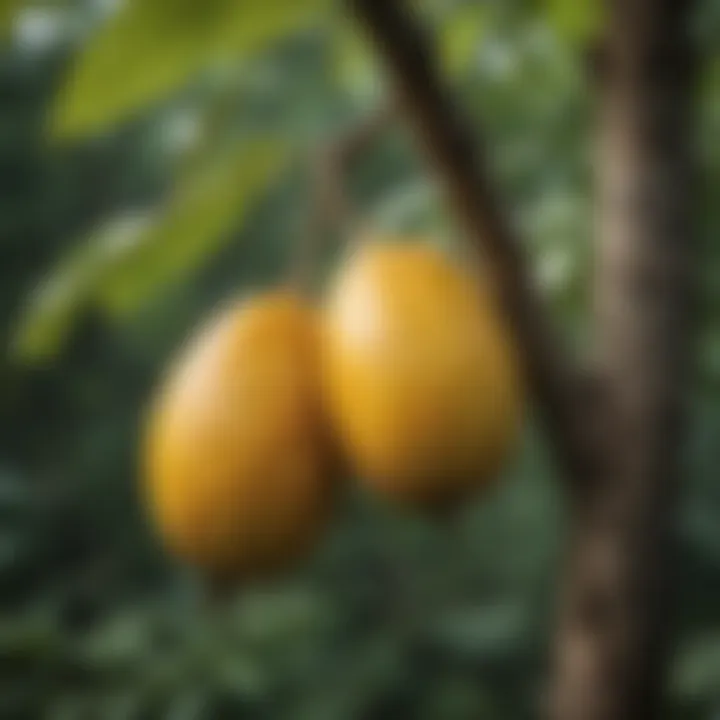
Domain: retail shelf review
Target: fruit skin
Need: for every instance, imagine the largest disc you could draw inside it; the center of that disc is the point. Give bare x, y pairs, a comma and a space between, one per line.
239, 464
420, 375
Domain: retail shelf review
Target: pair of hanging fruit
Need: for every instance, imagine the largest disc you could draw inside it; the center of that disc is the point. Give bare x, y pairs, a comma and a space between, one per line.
404, 375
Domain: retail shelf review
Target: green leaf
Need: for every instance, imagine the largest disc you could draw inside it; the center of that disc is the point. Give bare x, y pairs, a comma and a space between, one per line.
697, 669
53, 308
121, 641
485, 631
457, 697
151, 49
48, 316
134, 257
354, 66
576, 20
461, 34
197, 220
8, 10
413, 207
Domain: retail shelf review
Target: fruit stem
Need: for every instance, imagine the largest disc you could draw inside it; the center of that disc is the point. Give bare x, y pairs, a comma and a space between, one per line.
330, 207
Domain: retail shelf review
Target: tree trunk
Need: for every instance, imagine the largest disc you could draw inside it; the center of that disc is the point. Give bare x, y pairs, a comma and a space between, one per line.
611, 638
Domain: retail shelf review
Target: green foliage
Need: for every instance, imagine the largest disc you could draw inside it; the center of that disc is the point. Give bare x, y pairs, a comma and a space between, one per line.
132, 259
577, 21
8, 10
197, 220
53, 308
150, 49
354, 66
697, 670
461, 34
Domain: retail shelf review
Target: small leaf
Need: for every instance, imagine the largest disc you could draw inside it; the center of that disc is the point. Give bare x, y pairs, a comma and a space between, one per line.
697, 670
354, 65
457, 697
136, 256
197, 220
8, 11
576, 20
484, 632
411, 205
53, 308
151, 49
461, 34
119, 641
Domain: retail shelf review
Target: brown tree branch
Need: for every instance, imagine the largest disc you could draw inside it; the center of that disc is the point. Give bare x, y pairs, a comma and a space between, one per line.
459, 161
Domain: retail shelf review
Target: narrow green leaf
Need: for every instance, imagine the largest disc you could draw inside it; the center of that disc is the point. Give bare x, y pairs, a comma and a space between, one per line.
576, 20
697, 669
133, 258
461, 34
195, 223
8, 10
151, 49
53, 308
47, 318
413, 207
354, 65
485, 631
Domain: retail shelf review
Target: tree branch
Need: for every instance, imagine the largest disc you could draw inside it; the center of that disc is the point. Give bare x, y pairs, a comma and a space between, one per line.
460, 165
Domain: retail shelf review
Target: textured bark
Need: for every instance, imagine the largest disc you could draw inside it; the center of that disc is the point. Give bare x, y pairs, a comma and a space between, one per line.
612, 641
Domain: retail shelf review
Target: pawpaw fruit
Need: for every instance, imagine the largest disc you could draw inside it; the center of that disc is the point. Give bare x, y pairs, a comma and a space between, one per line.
420, 375
239, 458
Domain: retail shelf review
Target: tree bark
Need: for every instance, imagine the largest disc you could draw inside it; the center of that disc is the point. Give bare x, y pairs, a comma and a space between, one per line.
612, 637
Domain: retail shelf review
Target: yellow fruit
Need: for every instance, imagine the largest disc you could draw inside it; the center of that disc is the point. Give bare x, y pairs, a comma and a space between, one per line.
420, 375
239, 462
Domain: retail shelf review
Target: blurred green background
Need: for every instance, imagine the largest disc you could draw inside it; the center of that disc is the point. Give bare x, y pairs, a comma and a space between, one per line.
156, 157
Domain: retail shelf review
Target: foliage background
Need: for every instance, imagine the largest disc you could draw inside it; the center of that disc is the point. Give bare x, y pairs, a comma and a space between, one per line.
155, 157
